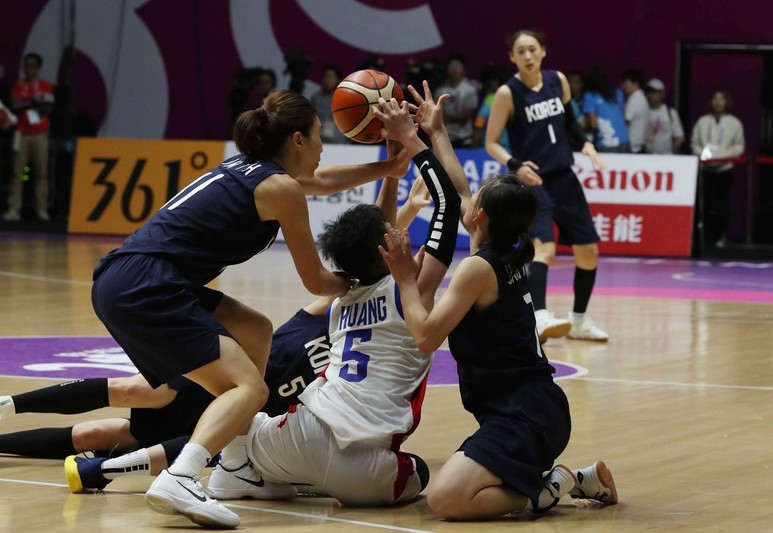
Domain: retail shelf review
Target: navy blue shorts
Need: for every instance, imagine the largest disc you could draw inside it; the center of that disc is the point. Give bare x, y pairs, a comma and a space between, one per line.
178, 419
164, 323
519, 447
560, 199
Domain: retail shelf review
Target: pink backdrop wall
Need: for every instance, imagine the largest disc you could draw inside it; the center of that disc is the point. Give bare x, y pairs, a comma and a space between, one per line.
197, 47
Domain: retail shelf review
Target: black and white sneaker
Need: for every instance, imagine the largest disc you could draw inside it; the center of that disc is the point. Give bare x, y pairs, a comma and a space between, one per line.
595, 482
172, 494
245, 482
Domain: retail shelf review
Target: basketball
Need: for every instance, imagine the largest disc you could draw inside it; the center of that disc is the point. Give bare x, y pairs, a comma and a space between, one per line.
352, 101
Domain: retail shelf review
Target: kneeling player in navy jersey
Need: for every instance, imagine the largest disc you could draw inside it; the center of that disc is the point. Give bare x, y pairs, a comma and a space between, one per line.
344, 437
505, 378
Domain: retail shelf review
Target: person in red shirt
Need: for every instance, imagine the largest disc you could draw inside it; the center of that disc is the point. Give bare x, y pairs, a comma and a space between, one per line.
32, 99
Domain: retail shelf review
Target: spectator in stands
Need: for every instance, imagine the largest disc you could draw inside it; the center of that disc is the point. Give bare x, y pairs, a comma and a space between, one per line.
322, 100
604, 107
491, 78
266, 83
7, 118
636, 108
462, 105
33, 100
665, 134
577, 89
716, 135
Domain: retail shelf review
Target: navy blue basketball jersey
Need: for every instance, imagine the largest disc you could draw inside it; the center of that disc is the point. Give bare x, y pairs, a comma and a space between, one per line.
300, 350
499, 346
536, 127
212, 223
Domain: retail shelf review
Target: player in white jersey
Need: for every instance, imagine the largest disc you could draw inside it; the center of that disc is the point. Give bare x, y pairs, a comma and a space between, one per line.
344, 437
367, 325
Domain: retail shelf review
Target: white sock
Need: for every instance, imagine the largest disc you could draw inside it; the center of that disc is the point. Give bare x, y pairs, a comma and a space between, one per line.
191, 461
577, 318
134, 463
562, 483
541, 314
7, 407
234, 455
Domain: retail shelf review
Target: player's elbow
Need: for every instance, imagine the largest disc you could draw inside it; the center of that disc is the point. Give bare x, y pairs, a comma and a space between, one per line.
427, 344
314, 286
319, 282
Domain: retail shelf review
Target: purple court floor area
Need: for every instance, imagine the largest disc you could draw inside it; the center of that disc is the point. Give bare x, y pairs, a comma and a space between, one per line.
747, 282
684, 279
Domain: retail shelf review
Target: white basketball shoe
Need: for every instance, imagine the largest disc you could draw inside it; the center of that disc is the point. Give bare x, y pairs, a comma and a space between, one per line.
585, 330
171, 494
548, 326
245, 482
595, 482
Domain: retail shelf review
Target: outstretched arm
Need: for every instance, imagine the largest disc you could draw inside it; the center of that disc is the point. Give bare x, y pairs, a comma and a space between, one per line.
430, 326
343, 177
281, 198
418, 197
429, 116
441, 237
387, 196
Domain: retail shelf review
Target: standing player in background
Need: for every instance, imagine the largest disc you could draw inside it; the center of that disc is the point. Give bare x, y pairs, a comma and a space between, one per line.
151, 294
345, 435
542, 135
504, 376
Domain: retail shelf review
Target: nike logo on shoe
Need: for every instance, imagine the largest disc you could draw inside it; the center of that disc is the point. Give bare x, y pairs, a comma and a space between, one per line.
201, 498
258, 483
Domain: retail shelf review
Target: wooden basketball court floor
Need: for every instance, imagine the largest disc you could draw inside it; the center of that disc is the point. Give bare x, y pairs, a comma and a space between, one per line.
679, 403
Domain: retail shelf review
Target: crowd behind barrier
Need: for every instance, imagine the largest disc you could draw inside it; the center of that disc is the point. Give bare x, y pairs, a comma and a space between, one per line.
641, 205
663, 133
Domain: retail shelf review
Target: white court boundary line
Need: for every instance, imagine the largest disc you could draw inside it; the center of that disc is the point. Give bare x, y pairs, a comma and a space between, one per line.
641, 382
44, 278
674, 383
296, 514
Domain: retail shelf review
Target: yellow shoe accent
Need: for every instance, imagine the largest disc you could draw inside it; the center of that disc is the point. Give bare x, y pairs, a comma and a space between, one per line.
73, 476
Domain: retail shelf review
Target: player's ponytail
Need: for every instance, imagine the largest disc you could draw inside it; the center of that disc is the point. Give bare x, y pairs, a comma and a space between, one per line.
510, 207
248, 131
261, 133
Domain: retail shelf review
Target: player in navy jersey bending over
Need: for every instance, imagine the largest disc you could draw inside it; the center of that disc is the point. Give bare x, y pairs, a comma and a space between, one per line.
151, 295
344, 437
542, 136
505, 378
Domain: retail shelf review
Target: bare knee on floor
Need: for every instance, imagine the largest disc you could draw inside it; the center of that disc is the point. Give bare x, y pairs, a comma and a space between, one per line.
446, 502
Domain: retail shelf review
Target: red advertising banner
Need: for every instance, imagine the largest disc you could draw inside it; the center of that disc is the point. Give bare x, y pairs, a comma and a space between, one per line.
641, 204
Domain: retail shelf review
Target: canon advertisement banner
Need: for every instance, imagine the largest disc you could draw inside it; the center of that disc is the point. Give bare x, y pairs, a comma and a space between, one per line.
641, 204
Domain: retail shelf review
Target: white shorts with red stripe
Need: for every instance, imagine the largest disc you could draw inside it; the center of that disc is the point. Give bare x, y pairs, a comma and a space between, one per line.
299, 448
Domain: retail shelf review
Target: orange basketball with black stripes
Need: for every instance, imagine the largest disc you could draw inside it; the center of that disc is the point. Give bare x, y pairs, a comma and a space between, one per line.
352, 101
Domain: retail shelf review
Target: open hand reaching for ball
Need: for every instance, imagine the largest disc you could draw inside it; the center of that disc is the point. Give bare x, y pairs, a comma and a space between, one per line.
398, 125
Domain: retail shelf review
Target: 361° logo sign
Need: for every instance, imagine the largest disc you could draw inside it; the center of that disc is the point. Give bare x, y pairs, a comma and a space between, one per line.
118, 183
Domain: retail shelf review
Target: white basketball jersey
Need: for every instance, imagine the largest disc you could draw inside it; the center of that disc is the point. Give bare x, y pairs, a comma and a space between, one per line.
376, 377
